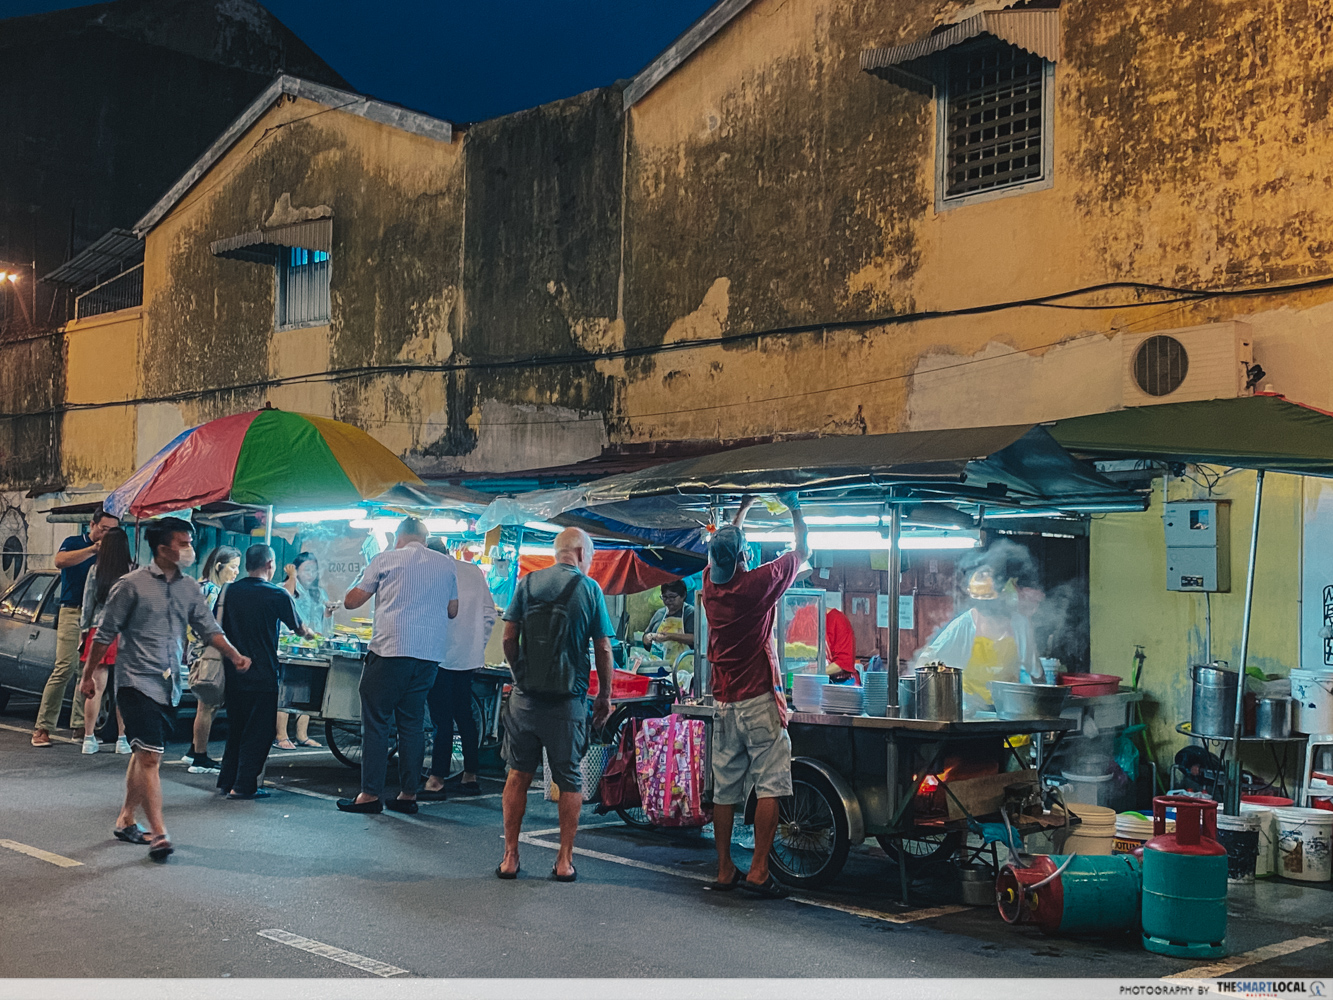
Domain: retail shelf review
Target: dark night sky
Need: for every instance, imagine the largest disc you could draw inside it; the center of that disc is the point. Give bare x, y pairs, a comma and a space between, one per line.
465, 60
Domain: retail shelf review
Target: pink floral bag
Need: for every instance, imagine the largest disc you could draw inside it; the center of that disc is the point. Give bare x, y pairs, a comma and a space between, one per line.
670, 767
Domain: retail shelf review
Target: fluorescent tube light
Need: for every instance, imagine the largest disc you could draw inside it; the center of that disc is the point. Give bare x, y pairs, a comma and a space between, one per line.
315, 516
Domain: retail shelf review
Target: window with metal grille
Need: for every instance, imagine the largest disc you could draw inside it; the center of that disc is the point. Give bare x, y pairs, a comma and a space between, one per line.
995, 119
303, 287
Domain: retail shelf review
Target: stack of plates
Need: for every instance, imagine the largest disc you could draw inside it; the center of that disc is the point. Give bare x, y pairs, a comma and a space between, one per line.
843, 699
876, 684
805, 690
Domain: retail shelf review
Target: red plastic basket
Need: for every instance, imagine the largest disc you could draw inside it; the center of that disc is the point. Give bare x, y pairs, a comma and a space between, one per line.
623, 684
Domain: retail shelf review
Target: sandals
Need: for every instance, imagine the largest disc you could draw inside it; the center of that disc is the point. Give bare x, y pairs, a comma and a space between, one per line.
768, 889
160, 847
501, 873
308, 742
571, 877
737, 877
278, 745
132, 834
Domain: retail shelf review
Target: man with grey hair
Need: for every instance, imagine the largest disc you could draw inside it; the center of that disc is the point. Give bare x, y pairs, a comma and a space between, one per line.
554, 614
751, 749
410, 583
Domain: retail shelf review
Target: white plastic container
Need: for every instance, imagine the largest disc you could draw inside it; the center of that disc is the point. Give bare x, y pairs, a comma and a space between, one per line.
1266, 861
1313, 691
1096, 831
1088, 789
1132, 831
1304, 840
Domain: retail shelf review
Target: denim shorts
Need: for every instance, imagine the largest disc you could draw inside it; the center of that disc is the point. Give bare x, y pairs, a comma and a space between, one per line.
750, 750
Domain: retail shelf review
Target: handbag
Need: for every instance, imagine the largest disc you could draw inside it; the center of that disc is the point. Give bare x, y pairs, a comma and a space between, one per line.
208, 677
671, 771
619, 787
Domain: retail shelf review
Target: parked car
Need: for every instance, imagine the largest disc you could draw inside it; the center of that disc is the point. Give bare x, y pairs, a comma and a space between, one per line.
28, 613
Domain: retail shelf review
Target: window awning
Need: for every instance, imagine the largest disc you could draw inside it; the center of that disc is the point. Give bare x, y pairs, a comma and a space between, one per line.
263, 246
914, 65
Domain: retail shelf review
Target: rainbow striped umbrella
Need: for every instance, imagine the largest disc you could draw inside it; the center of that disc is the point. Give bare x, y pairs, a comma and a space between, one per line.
265, 457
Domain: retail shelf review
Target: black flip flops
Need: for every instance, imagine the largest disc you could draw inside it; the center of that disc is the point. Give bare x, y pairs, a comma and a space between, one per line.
737, 877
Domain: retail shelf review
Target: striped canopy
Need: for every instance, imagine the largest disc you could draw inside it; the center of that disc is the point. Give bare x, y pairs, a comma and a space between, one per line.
264, 457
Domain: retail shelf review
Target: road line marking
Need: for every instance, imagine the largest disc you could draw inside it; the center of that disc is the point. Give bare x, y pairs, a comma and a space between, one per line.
1235, 962
36, 852
28, 733
907, 917
335, 954
582, 826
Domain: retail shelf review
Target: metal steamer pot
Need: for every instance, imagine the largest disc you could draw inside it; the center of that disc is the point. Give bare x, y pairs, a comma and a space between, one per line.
939, 693
1273, 718
1213, 703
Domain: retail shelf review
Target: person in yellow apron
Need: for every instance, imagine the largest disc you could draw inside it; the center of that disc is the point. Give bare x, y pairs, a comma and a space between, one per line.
989, 641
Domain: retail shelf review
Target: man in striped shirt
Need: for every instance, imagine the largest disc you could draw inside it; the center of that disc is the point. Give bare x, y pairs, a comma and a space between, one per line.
150, 609
411, 585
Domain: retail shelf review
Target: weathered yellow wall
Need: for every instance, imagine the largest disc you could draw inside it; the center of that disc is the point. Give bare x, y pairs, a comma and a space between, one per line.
773, 183
209, 322
1130, 603
101, 366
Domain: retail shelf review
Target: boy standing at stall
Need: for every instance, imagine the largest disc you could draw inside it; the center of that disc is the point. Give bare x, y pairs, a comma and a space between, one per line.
751, 748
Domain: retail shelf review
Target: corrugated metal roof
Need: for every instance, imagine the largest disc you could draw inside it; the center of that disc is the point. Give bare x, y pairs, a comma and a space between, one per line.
106, 256
1035, 31
262, 246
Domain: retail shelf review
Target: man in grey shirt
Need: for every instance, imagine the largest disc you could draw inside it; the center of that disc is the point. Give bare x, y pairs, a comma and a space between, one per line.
150, 609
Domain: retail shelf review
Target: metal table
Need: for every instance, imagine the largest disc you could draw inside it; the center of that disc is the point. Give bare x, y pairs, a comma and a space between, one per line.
1279, 763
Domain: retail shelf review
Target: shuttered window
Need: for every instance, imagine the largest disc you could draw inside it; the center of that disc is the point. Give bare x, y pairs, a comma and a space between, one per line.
996, 119
303, 287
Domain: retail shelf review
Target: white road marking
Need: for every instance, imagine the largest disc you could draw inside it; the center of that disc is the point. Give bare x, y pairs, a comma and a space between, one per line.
335, 954
36, 852
28, 733
907, 917
1228, 965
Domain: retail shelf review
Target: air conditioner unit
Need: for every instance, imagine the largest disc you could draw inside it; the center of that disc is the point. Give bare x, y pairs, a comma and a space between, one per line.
1179, 366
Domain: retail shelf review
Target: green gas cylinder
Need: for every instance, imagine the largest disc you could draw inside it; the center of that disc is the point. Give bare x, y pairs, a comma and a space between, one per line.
1185, 881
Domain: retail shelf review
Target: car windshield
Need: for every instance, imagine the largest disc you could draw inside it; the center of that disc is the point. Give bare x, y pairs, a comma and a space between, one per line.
31, 599
15, 595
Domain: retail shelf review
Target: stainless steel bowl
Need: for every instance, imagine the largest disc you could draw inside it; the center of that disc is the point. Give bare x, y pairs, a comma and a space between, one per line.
1028, 701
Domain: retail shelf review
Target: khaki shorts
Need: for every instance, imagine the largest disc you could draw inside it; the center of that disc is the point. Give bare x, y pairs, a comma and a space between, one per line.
750, 750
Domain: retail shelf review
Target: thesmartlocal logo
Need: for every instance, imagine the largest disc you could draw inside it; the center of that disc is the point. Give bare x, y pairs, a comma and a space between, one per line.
1271, 987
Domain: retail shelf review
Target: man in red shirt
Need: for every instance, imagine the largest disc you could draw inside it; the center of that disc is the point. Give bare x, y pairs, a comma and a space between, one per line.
839, 640
750, 743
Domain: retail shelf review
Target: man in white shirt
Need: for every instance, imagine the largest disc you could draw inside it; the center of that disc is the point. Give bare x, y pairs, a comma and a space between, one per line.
409, 584
450, 700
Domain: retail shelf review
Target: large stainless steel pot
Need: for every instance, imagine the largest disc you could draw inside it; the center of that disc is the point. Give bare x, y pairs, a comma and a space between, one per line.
1213, 704
939, 693
1028, 701
1272, 719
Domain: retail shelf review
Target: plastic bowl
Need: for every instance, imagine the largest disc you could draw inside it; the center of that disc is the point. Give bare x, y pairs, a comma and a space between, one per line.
1090, 685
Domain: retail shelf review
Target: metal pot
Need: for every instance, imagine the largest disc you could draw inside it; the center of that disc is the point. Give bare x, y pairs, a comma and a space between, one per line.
907, 696
1273, 718
939, 693
1213, 704
1028, 701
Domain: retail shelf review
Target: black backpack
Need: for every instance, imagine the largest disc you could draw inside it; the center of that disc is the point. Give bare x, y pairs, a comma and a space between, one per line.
545, 665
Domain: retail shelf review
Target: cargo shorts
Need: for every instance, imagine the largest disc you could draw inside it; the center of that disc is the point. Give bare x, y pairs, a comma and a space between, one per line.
751, 749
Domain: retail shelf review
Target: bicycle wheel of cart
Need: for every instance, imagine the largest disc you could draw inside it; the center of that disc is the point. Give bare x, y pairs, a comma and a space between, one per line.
923, 849
811, 843
344, 740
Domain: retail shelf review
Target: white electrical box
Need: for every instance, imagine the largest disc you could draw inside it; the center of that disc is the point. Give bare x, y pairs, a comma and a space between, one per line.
1198, 545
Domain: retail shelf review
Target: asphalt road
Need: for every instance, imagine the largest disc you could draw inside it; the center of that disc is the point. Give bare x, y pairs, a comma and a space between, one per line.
289, 887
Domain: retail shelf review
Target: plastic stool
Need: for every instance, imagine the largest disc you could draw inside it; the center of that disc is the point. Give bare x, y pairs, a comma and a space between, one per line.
1312, 746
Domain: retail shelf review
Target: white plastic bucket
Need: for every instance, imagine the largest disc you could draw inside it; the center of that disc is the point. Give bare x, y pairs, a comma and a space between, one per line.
1266, 860
1313, 691
1096, 831
1304, 838
1133, 830
1088, 789
1241, 836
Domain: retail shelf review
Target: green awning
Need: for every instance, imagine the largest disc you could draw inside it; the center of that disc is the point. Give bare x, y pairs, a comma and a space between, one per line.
1265, 431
